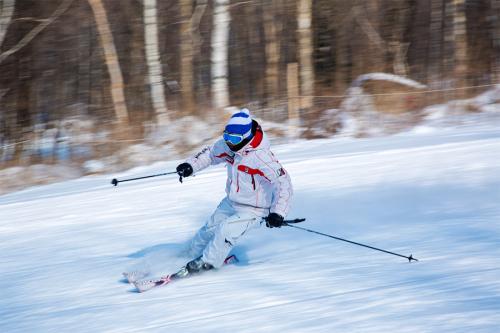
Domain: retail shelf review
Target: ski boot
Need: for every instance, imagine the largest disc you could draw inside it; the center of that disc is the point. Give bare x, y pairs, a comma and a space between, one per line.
194, 266
197, 265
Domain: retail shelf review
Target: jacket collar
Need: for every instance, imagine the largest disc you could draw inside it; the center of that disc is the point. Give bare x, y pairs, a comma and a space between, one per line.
259, 141
257, 138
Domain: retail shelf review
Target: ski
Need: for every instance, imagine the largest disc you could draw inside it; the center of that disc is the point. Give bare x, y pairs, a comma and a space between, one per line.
143, 285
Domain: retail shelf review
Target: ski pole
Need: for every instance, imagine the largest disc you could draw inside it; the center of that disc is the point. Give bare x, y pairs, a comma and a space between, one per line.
116, 181
410, 258
264, 220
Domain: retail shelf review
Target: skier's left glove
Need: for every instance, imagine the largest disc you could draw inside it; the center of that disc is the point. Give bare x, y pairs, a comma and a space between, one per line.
274, 220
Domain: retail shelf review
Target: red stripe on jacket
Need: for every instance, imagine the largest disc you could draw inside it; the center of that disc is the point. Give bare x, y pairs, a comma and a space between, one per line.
252, 172
228, 157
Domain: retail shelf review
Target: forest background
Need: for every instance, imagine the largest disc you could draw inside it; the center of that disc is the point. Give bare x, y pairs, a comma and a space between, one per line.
90, 86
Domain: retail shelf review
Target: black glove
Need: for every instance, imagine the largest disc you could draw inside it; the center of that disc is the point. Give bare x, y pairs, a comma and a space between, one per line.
184, 169
274, 220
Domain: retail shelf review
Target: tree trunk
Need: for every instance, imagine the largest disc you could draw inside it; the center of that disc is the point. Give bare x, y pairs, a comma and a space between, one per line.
434, 74
271, 30
397, 44
460, 41
495, 37
186, 56
305, 41
155, 74
111, 58
6, 11
220, 37
199, 59
448, 44
341, 74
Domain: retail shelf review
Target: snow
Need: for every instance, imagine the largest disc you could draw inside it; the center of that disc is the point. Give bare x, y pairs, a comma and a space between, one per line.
432, 192
387, 77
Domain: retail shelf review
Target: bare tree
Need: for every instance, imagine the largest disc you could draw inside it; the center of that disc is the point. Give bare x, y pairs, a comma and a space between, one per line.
495, 37
155, 74
33, 33
198, 57
220, 37
305, 44
435, 43
6, 11
394, 47
460, 41
272, 28
342, 71
111, 58
186, 52
447, 56
397, 46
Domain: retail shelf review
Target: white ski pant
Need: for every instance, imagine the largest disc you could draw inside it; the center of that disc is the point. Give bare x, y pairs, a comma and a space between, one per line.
223, 229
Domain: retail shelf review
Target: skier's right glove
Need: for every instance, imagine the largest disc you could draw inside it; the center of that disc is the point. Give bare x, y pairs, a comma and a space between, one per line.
274, 220
184, 170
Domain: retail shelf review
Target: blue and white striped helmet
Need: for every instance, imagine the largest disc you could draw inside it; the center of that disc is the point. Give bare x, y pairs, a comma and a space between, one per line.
240, 124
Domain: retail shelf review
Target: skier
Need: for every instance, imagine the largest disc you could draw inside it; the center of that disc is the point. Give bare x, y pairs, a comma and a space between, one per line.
257, 188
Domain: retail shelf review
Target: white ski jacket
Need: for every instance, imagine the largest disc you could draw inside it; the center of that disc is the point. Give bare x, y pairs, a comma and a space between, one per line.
255, 178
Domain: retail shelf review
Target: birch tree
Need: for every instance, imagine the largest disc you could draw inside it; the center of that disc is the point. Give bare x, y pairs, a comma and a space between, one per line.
305, 54
219, 57
6, 11
111, 58
155, 73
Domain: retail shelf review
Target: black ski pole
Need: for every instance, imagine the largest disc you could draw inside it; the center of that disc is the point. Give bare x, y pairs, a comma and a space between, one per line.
116, 181
410, 258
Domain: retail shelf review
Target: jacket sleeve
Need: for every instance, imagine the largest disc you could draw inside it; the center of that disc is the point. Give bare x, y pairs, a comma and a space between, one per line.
280, 180
209, 155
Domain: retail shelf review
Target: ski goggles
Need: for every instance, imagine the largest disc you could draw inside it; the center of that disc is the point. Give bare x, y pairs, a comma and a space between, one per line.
232, 138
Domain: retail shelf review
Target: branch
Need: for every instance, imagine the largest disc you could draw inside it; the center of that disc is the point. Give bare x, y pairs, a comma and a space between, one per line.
201, 6
33, 33
3, 92
239, 4
369, 30
33, 19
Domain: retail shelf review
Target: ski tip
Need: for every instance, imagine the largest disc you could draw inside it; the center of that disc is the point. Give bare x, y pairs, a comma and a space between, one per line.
134, 276
147, 284
142, 287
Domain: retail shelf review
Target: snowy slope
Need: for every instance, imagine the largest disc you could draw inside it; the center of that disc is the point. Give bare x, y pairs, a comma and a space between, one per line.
435, 194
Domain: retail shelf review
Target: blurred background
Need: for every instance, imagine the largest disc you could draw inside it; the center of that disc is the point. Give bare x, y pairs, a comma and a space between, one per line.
99, 86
